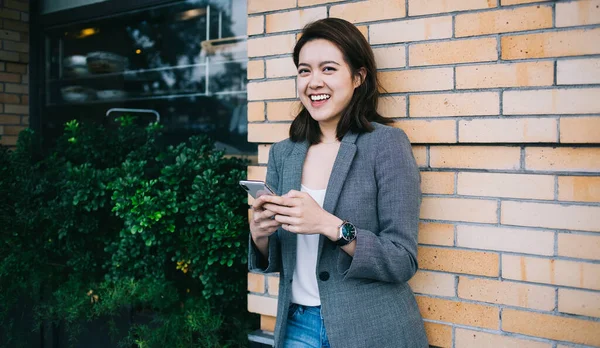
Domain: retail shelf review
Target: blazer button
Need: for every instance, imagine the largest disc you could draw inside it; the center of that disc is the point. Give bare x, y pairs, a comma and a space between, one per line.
324, 276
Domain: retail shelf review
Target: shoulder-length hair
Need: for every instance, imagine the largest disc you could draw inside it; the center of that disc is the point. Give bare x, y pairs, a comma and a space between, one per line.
362, 109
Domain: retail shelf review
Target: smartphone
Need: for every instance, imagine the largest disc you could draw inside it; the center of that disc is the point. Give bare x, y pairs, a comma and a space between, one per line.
256, 188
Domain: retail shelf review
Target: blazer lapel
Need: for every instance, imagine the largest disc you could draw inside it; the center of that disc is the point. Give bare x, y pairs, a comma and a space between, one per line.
292, 180
341, 166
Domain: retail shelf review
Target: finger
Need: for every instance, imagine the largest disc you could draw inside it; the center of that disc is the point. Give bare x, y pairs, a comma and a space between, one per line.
269, 225
279, 209
290, 228
294, 194
279, 200
287, 220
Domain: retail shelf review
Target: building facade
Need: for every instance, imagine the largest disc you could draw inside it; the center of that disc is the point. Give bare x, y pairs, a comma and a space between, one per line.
501, 101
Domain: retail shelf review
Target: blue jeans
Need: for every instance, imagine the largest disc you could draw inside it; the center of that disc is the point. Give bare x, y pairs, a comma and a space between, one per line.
305, 328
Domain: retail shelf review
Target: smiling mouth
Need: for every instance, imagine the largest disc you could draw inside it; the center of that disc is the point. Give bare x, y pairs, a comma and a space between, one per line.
319, 97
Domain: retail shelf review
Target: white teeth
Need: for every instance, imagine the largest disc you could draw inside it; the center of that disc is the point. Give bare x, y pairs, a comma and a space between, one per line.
319, 97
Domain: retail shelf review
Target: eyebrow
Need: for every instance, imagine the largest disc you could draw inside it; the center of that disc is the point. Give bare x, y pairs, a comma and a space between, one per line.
321, 64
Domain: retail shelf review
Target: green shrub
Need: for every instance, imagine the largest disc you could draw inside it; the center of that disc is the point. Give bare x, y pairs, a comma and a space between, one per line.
111, 219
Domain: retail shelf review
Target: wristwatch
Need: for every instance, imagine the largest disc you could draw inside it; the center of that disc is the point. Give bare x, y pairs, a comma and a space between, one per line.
347, 233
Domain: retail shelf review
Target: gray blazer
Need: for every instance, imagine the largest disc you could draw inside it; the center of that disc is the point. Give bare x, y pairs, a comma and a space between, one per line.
365, 299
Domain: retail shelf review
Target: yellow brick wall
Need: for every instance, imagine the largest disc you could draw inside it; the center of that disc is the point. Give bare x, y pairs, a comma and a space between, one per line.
501, 100
14, 69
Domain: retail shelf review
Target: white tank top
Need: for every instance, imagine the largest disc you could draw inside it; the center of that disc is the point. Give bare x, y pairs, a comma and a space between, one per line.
305, 290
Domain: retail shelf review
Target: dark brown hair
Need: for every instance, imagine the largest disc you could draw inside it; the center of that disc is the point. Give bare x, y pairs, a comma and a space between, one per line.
362, 109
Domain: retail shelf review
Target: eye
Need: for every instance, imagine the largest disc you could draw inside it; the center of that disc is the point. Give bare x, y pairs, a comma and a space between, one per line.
303, 71
329, 69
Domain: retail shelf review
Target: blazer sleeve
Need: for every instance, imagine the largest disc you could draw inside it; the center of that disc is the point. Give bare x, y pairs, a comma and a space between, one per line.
256, 262
391, 254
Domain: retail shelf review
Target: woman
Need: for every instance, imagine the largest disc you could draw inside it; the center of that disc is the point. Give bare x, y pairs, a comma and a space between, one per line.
343, 232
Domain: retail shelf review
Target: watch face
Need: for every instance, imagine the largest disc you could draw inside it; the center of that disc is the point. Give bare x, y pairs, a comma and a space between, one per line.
348, 231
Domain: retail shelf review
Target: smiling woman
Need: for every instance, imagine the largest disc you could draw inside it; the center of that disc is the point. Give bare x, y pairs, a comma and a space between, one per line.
342, 226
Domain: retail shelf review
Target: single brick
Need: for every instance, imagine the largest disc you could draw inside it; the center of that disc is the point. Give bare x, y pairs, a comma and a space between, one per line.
452, 52
571, 217
578, 71
281, 67
516, 130
459, 209
428, 131
552, 101
580, 246
476, 339
8, 140
9, 98
267, 132
278, 89
315, 2
366, 11
10, 119
503, 21
437, 79
455, 104
255, 6
551, 44
458, 261
584, 12
506, 185
390, 57
257, 173
255, 25
294, 20
17, 5
579, 302
438, 335
505, 75
475, 157
563, 159
579, 188
420, 153
273, 285
271, 45
282, 111
517, 2
13, 130
551, 271
16, 109
10, 77
263, 153
256, 69
392, 106
551, 327
262, 305
437, 182
16, 46
507, 293
256, 282
419, 7
256, 111
9, 56
411, 30
17, 88
459, 312
432, 283
10, 14
267, 323
10, 35
505, 239
17, 68
580, 129
436, 233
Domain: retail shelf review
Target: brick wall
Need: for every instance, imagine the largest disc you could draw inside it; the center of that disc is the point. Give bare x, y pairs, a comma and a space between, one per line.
501, 99
14, 69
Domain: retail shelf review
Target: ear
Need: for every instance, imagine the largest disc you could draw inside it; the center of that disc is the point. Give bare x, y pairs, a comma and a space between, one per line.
360, 77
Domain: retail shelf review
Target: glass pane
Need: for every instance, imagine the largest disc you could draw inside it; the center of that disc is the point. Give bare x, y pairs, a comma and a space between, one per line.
186, 61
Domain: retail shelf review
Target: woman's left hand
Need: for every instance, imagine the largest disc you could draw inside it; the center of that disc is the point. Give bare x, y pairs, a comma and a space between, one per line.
299, 213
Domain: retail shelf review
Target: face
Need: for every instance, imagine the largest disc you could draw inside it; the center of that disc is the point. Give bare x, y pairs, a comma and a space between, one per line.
325, 81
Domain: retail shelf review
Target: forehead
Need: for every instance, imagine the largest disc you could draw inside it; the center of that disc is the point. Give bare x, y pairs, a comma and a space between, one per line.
320, 50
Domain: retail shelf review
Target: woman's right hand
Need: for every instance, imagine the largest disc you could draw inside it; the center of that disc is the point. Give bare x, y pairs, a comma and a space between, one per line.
262, 224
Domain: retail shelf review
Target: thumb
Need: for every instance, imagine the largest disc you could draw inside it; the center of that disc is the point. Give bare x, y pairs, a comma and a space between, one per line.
293, 194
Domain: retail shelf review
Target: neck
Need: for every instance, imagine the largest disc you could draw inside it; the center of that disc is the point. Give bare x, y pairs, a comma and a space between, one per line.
328, 133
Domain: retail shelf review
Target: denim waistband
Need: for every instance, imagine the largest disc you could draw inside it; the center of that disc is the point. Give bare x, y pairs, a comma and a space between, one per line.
306, 309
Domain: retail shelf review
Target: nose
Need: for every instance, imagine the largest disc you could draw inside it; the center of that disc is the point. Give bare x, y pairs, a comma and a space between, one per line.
315, 81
